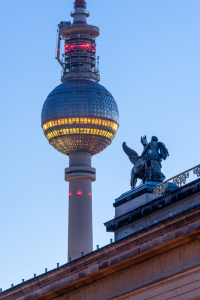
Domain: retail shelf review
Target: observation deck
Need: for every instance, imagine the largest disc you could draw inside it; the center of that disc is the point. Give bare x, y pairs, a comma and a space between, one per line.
65, 31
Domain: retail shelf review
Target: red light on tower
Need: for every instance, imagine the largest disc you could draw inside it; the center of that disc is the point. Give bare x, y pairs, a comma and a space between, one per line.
89, 194
88, 47
79, 193
70, 194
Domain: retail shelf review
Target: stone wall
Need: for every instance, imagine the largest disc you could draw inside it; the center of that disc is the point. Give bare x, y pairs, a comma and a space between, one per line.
174, 274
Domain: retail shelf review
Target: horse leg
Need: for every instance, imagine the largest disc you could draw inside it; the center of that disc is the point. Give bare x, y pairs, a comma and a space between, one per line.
133, 179
146, 177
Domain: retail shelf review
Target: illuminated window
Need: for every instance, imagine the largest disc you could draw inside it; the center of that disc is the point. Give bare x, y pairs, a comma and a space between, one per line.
81, 121
73, 131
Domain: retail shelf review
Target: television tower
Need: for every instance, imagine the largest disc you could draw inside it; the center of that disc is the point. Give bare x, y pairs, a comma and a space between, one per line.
80, 118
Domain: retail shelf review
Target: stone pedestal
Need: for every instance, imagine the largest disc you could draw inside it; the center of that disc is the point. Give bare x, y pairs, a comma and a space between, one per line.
132, 209
137, 197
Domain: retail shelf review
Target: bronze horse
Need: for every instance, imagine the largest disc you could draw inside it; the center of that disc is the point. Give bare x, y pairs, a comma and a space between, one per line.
141, 165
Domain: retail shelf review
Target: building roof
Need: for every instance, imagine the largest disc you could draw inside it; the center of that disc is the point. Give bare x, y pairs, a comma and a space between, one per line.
144, 243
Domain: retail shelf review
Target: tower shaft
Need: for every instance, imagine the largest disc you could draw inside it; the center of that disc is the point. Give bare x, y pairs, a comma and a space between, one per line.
80, 175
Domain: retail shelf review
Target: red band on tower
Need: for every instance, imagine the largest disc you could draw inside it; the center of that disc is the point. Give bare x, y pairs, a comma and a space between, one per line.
80, 3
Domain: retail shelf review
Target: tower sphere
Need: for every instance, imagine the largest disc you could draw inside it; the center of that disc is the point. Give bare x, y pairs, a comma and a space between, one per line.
80, 115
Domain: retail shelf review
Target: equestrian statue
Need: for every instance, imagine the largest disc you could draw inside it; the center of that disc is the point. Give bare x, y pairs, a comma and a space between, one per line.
147, 167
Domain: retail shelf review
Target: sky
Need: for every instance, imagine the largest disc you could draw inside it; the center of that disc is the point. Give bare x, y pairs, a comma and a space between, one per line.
149, 61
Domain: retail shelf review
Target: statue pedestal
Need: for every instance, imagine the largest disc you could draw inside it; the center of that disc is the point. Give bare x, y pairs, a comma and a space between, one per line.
133, 205
137, 197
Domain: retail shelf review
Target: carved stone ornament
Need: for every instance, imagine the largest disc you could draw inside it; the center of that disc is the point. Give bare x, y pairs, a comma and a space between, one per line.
178, 180
181, 179
161, 189
196, 171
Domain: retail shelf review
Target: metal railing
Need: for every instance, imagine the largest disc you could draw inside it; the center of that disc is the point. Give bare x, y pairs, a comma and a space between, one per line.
84, 13
81, 26
178, 180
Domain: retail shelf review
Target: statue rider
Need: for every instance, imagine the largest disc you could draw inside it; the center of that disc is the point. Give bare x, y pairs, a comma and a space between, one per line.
158, 151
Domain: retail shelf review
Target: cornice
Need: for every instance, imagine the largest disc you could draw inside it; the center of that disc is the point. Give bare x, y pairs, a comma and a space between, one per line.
152, 206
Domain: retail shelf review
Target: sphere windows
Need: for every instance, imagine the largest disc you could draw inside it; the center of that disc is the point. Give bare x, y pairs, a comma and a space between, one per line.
67, 121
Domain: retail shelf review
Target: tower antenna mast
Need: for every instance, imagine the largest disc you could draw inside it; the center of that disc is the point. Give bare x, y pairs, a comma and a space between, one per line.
79, 59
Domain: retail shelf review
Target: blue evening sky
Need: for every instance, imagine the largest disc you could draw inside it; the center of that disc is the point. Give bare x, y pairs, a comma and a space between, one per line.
149, 60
